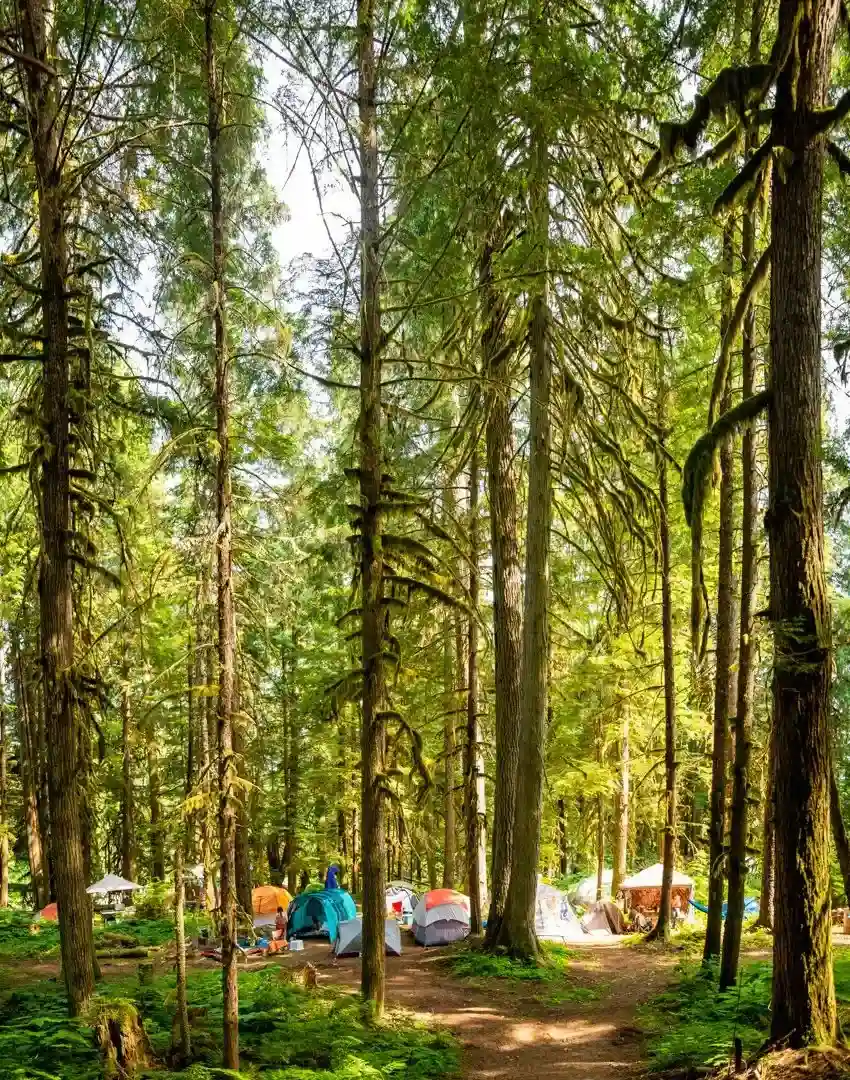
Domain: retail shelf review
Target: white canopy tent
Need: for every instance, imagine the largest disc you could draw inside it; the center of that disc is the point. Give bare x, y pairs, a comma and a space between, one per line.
112, 883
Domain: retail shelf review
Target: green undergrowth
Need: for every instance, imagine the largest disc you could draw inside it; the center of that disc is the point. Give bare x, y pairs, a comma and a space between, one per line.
23, 938
285, 1032
552, 970
692, 1025
474, 963
689, 939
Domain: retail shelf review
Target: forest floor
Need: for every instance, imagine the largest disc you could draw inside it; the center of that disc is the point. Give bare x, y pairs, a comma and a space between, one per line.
525, 1029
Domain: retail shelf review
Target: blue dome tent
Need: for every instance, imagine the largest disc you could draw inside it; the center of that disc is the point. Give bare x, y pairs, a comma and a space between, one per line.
318, 914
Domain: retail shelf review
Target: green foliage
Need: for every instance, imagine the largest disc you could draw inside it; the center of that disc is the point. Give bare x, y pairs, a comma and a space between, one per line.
284, 1031
22, 937
475, 964
154, 901
692, 1024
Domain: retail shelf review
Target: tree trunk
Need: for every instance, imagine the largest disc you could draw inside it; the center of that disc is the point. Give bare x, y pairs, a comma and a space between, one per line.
803, 1009
600, 846
476, 844
449, 758
291, 769
35, 847
749, 570
516, 932
768, 859
621, 804
839, 835
224, 558
507, 581
157, 840
243, 831
45, 102
662, 927
373, 730
563, 865
723, 674
128, 834
4, 808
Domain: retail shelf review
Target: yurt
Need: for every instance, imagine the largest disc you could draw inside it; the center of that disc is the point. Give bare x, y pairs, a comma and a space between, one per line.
603, 917
265, 900
349, 938
441, 917
584, 893
318, 914
401, 898
643, 890
554, 918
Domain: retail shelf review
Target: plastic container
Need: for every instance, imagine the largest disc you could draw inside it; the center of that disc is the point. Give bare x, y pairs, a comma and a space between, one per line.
296, 945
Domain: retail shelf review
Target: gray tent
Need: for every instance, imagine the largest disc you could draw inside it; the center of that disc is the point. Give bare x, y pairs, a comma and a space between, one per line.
349, 939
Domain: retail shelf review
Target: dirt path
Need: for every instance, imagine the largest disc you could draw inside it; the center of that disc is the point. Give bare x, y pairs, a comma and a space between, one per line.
525, 1030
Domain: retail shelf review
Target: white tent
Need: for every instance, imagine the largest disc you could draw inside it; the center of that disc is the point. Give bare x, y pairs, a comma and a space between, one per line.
585, 892
349, 938
401, 892
110, 884
554, 918
651, 877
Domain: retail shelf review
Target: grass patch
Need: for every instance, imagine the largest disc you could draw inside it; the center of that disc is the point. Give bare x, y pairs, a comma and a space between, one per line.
23, 938
473, 963
692, 1025
689, 940
286, 1033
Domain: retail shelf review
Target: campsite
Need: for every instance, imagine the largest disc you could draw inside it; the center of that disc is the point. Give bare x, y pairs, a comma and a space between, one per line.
424, 539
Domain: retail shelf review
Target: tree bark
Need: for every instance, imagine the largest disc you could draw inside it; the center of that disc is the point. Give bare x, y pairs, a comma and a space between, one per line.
517, 933
663, 925
4, 794
373, 729
803, 1008
476, 842
743, 721
839, 835
563, 864
600, 845
44, 103
224, 558
128, 832
35, 846
507, 582
291, 768
449, 758
621, 806
723, 676
157, 840
768, 861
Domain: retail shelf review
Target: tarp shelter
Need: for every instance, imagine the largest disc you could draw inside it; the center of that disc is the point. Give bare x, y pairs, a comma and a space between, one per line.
318, 914
403, 893
554, 918
112, 883
585, 892
441, 916
265, 900
50, 913
349, 940
604, 917
643, 890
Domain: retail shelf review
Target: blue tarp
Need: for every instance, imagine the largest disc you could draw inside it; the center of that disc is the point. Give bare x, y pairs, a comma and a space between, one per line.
318, 914
751, 906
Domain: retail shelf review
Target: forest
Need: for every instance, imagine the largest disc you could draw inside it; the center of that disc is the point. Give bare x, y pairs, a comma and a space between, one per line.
424, 459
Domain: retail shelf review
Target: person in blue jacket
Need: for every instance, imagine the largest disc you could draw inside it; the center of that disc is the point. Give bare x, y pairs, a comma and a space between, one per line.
331, 881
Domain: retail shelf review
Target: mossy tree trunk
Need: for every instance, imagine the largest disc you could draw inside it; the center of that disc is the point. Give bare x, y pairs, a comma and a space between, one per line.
45, 100
476, 837
516, 932
373, 720
724, 654
224, 539
803, 1008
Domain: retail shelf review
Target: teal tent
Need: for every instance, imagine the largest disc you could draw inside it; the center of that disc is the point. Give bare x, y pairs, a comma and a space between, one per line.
318, 914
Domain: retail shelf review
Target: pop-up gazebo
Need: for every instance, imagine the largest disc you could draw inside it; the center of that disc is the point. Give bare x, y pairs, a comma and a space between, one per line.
112, 883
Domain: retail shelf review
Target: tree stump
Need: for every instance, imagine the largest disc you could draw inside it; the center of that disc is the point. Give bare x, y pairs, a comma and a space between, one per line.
120, 1038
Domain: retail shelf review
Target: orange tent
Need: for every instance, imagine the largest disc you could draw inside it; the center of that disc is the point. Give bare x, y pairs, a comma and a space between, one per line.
51, 913
266, 899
